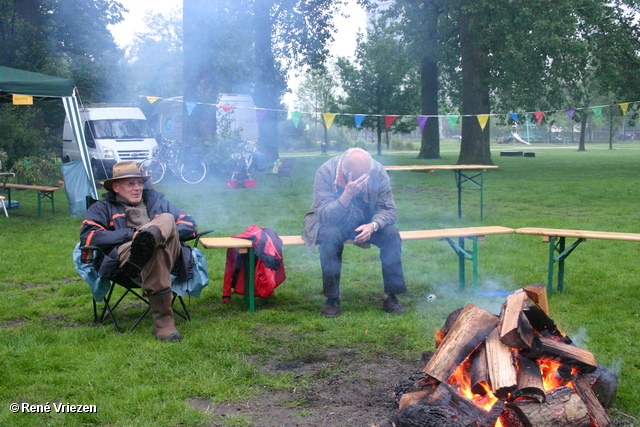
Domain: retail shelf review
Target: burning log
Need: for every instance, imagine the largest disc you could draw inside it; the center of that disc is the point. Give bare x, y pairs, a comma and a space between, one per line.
541, 322
443, 406
565, 353
604, 384
479, 371
470, 328
563, 407
530, 385
502, 370
515, 329
597, 413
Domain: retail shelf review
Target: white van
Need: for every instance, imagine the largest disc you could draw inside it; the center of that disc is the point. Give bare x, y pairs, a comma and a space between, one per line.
166, 118
113, 134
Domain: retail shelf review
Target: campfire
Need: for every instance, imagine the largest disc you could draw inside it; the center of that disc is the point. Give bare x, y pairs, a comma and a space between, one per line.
517, 369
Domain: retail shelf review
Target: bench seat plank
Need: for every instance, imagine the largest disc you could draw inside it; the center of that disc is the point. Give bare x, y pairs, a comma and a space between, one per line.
31, 187
579, 234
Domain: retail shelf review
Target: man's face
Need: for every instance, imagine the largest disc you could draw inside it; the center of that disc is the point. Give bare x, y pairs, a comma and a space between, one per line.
130, 189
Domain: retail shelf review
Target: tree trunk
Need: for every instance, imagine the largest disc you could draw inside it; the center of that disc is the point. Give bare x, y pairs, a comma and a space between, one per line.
474, 147
430, 144
379, 133
266, 95
583, 131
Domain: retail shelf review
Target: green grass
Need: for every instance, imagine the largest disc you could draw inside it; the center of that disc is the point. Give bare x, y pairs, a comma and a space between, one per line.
51, 352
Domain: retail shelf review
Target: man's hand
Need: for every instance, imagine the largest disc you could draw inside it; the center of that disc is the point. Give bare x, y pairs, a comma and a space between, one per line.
364, 233
352, 188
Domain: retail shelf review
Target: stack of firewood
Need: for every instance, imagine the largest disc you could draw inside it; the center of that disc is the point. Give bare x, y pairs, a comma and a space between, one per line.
513, 370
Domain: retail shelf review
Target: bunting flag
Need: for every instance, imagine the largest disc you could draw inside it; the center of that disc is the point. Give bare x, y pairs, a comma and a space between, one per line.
226, 108
190, 106
570, 112
261, 113
295, 117
152, 99
514, 116
328, 119
388, 120
624, 106
453, 121
597, 111
482, 119
22, 99
359, 118
539, 115
422, 120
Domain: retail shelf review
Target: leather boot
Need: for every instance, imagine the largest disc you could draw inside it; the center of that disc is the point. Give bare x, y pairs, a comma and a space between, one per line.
163, 325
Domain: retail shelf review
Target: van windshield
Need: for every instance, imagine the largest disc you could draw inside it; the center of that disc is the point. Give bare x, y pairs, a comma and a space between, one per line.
120, 129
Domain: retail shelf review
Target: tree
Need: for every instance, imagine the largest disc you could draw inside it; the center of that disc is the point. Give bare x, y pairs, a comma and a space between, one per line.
317, 94
376, 85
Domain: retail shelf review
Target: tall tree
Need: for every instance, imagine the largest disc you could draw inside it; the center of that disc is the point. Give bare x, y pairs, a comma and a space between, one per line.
375, 85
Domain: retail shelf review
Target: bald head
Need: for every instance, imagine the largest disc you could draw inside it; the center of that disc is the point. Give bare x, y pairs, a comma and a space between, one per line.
357, 162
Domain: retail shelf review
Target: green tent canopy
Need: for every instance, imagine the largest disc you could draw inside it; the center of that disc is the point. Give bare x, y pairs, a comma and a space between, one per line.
20, 82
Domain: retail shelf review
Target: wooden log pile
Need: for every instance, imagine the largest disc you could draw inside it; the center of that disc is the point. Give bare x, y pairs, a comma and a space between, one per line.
515, 369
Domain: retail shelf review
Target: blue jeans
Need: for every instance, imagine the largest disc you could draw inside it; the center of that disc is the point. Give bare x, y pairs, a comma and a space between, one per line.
331, 239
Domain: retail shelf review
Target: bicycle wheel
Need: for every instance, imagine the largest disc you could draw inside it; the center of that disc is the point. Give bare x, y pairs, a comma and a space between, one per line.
194, 171
153, 168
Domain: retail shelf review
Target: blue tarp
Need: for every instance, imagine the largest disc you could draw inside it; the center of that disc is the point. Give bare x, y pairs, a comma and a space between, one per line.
77, 186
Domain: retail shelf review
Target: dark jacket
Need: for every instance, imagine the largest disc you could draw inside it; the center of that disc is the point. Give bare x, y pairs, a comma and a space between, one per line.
104, 225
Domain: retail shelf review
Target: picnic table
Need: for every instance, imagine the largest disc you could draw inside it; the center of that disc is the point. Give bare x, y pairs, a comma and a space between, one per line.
471, 174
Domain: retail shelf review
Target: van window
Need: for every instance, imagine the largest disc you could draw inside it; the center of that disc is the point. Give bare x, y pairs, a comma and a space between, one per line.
88, 136
120, 129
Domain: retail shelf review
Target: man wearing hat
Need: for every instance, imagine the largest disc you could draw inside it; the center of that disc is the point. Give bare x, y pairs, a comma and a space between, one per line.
141, 235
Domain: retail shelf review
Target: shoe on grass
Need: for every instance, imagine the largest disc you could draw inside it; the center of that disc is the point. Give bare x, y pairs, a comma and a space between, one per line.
391, 305
331, 307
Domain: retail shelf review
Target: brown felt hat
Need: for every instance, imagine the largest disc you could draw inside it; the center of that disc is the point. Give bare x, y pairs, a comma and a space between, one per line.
122, 170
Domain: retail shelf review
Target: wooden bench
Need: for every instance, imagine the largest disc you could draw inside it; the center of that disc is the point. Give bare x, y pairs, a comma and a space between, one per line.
557, 243
454, 236
43, 193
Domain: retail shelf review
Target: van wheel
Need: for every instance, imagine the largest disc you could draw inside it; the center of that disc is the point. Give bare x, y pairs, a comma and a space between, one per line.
66, 159
98, 170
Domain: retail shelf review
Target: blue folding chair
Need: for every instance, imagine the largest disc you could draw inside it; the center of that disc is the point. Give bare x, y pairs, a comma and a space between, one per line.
103, 289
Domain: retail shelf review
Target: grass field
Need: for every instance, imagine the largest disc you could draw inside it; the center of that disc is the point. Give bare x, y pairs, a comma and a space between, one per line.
50, 352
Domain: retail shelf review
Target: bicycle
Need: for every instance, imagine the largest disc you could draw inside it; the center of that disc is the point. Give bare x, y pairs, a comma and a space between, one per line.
170, 157
248, 161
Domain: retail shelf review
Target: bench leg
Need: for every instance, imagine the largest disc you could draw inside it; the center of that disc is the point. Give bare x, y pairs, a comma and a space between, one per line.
562, 255
45, 195
464, 255
461, 178
249, 281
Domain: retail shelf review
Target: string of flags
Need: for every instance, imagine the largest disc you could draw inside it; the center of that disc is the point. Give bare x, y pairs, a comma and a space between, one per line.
452, 119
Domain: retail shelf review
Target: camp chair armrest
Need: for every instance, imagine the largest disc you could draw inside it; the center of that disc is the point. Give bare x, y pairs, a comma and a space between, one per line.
197, 238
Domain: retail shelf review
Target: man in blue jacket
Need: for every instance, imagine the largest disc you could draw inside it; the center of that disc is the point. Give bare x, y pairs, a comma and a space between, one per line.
141, 236
353, 201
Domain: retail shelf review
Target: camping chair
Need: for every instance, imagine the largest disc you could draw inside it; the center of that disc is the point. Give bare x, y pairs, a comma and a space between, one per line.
284, 169
103, 289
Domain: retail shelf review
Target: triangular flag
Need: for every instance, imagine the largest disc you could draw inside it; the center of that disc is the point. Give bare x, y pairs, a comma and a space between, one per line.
422, 120
328, 119
624, 106
570, 112
226, 108
388, 120
597, 111
514, 116
482, 119
261, 112
539, 115
190, 106
22, 99
152, 99
295, 117
453, 120
359, 118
